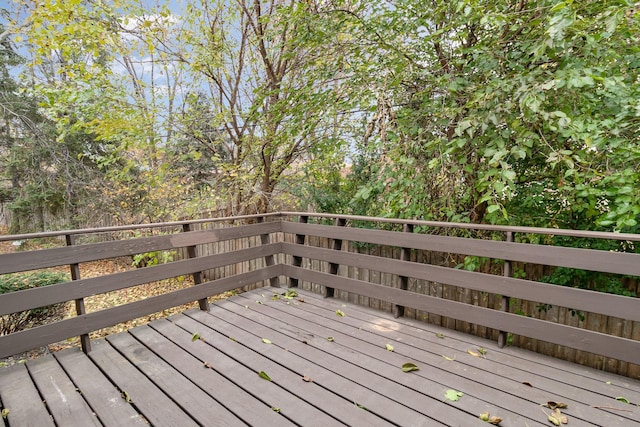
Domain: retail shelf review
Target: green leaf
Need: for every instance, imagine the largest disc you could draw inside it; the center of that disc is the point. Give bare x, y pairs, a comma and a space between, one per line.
493, 208
408, 367
5, 413
264, 375
274, 409
195, 337
441, 336
330, 339
453, 395
266, 341
340, 313
389, 347
622, 399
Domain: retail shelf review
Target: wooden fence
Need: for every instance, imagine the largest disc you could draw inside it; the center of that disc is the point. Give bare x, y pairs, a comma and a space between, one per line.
406, 272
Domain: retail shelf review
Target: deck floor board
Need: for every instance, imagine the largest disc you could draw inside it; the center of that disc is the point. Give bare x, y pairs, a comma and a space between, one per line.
157, 374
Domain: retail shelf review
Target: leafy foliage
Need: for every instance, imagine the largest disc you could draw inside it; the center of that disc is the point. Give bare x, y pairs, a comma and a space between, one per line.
15, 322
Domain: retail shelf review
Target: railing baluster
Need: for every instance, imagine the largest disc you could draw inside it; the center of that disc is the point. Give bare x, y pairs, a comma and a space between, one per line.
328, 291
85, 341
265, 239
297, 260
403, 281
504, 304
197, 275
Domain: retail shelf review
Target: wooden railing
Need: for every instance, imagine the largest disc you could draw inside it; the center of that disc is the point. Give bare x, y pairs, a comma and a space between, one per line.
286, 253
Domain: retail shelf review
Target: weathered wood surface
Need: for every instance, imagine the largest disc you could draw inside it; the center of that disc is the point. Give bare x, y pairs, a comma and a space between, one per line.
32, 260
158, 374
74, 326
586, 259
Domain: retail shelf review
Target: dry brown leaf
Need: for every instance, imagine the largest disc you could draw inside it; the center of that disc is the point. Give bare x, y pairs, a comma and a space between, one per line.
307, 379
495, 420
527, 383
208, 365
553, 405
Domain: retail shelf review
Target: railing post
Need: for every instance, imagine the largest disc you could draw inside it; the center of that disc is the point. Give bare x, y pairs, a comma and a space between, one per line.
504, 304
297, 260
403, 281
197, 275
85, 341
268, 259
328, 291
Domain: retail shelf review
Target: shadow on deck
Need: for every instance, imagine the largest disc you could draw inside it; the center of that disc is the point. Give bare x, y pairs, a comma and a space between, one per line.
325, 370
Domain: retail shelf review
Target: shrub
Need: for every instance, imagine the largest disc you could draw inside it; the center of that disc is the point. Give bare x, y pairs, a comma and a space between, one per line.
18, 321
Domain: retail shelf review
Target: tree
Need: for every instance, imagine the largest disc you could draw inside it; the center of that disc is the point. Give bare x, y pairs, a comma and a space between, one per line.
271, 102
484, 107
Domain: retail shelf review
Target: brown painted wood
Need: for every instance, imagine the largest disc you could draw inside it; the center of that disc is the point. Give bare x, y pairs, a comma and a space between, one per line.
65, 404
587, 259
579, 299
348, 346
192, 399
236, 400
482, 379
355, 366
398, 404
240, 366
20, 396
75, 326
595, 342
32, 260
62, 292
103, 397
150, 400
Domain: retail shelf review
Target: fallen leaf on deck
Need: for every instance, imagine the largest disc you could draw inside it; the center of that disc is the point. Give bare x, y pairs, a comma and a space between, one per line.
340, 313
5, 412
274, 409
559, 417
527, 383
259, 302
266, 341
126, 397
360, 406
450, 359
453, 395
440, 335
307, 379
233, 339
495, 420
330, 339
408, 367
554, 405
264, 375
208, 365
622, 399
195, 337
300, 300
473, 353
389, 347
482, 351
484, 416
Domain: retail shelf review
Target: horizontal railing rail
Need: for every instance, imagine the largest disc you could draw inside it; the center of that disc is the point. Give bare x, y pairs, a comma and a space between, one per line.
282, 241
80, 288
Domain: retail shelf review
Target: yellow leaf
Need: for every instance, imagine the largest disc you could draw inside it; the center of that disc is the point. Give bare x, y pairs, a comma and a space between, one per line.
473, 353
451, 359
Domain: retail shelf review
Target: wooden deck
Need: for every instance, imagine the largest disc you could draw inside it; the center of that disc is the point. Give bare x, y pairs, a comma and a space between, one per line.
325, 370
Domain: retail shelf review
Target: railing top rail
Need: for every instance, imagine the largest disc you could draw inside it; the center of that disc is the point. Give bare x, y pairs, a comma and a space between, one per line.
486, 227
131, 227
438, 224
